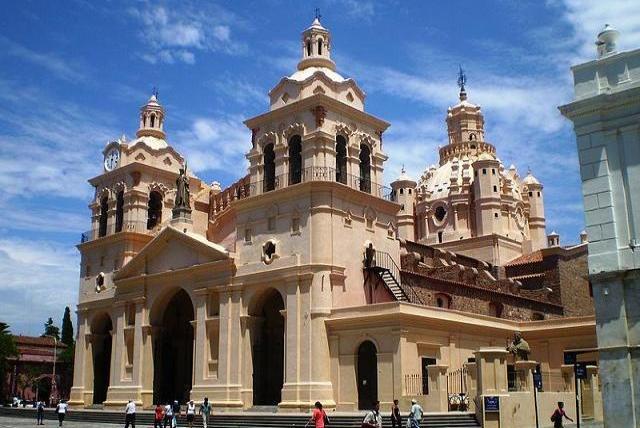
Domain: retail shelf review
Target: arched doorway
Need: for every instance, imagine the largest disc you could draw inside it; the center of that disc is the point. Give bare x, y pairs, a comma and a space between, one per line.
101, 354
367, 375
268, 350
173, 351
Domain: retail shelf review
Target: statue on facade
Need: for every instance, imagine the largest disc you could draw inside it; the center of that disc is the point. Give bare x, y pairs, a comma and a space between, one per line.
519, 347
369, 256
182, 202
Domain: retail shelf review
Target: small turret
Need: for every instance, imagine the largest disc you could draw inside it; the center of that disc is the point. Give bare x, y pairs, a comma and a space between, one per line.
316, 47
537, 226
606, 43
486, 188
152, 119
404, 193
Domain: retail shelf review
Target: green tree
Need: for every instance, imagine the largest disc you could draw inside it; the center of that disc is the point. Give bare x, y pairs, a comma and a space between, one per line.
7, 350
67, 328
51, 330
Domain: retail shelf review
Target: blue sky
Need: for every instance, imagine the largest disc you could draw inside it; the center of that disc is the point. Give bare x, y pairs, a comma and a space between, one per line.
73, 75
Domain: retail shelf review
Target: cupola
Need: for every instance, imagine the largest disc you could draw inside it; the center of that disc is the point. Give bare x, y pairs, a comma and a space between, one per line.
316, 47
151, 119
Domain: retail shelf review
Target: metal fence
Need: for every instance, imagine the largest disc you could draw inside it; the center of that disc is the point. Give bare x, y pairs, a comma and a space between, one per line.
137, 226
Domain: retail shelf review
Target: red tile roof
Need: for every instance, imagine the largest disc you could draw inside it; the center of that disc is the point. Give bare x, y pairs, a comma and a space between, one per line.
534, 257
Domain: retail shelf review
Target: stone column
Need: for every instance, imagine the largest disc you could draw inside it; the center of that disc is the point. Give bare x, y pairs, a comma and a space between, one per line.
114, 396
148, 333
200, 364
492, 381
438, 385
226, 394
472, 383
81, 365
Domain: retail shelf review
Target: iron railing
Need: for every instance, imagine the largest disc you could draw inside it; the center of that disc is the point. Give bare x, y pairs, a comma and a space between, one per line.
415, 385
137, 226
384, 261
320, 173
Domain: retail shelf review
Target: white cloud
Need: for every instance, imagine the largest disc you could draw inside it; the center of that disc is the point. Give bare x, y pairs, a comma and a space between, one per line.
239, 91
588, 17
215, 144
61, 68
175, 34
37, 280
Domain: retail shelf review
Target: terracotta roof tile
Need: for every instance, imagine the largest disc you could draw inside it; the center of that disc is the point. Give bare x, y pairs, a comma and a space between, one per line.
534, 257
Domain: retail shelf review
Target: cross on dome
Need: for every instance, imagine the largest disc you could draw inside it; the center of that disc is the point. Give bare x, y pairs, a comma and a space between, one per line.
462, 79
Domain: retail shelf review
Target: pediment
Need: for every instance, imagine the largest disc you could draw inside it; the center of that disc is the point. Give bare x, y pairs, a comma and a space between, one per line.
172, 250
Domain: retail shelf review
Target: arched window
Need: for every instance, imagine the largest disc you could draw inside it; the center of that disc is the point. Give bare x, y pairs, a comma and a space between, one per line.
269, 168
153, 120
365, 168
341, 159
119, 210
104, 210
295, 160
443, 301
495, 309
319, 46
308, 47
472, 137
154, 210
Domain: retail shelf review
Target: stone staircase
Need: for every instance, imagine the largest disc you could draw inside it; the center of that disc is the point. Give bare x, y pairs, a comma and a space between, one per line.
246, 419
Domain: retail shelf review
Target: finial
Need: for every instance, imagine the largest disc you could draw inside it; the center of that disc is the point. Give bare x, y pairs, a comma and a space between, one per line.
155, 92
317, 11
402, 171
462, 79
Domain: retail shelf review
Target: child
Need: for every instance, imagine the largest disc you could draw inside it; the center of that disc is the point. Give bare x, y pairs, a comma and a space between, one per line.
557, 416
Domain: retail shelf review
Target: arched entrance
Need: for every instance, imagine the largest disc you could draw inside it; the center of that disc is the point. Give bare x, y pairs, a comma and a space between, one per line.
268, 350
101, 354
173, 351
367, 375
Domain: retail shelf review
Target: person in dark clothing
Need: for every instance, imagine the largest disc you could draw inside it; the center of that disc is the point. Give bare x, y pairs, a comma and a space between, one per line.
40, 413
396, 419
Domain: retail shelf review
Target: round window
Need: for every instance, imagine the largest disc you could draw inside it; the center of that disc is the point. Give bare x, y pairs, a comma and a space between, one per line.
440, 213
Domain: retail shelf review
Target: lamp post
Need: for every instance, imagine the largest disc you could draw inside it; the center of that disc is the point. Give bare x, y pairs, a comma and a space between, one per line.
54, 389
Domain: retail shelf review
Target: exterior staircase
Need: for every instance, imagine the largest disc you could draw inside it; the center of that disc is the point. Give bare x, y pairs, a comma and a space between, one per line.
245, 419
388, 271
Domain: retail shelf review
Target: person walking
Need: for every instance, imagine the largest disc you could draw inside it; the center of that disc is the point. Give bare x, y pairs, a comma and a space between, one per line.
191, 413
158, 416
40, 413
168, 416
61, 410
396, 420
205, 410
373, 419
176, 412
415, 414
558, 414
318, 417
130, 415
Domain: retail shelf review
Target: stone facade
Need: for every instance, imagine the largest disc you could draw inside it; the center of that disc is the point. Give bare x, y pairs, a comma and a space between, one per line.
606, 118
279, 291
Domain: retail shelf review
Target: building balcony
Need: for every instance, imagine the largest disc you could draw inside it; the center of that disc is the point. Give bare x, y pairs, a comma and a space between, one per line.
136, 226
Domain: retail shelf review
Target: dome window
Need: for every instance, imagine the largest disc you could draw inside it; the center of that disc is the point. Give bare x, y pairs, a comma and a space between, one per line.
440, 213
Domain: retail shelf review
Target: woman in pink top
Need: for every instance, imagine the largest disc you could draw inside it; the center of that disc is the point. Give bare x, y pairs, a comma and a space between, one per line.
319, 417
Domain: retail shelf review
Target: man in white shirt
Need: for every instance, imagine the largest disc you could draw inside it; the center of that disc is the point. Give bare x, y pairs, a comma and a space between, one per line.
168, 416
373, 418
130, 416
61, 410
415, 415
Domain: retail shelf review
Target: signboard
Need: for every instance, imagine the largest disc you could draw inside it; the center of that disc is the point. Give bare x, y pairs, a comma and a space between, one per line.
581, 371
537, 381
491, 404
570, 358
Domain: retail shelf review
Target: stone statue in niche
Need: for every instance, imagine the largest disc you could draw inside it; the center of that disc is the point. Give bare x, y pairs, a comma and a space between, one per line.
519, 347
182, 205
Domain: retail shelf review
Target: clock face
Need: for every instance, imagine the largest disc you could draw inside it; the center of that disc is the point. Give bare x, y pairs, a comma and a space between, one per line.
112, 159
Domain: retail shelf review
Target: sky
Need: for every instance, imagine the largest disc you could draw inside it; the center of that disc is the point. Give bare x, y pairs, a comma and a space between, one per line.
74, 74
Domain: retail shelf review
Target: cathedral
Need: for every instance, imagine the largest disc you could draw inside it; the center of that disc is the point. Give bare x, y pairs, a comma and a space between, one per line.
308, 279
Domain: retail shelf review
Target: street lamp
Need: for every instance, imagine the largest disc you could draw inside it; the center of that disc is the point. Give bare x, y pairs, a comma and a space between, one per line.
54, 389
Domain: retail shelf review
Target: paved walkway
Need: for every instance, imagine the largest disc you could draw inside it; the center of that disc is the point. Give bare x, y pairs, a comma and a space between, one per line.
26, 422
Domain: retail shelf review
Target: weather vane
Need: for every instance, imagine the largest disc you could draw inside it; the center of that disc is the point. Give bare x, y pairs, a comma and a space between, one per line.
462, 79
318, 16
156, 92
